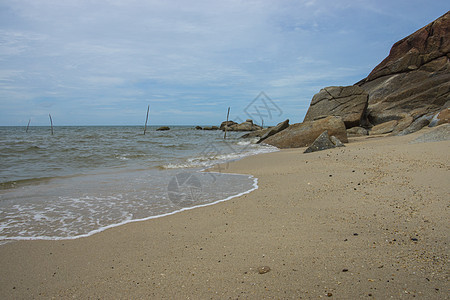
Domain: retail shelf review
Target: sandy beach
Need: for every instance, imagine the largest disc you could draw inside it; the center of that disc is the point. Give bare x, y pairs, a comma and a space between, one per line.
369, 220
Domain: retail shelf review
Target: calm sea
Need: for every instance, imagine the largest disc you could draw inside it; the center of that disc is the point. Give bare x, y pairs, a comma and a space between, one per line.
82, 180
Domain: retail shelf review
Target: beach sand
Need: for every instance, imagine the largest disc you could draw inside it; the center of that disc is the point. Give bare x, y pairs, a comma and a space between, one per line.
369, 220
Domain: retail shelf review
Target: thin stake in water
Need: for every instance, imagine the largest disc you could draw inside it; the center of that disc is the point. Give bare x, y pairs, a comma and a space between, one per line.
226, 124
146, 119
28, 126
51, 122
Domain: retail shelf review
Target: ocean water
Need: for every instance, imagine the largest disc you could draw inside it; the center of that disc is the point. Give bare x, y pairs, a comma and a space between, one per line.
82, 180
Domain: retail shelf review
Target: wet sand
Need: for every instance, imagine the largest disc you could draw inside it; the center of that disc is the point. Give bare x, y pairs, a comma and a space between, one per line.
366, 221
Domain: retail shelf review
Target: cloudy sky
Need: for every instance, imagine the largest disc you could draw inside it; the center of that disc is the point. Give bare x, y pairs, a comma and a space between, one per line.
102, 62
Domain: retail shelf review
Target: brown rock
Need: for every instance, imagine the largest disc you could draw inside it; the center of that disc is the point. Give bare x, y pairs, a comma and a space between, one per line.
440, 118
226, 123
211, 128
418, 124
303, 134
417, 49
163, 128
263, 270
402, 124
414, 78
280, 127
244, 126
357, 131
257, 133
347, 102
384, 128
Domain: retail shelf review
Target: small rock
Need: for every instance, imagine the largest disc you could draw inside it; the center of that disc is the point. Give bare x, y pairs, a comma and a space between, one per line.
163, 128
344, 270
263, 270
323, 142
337, 142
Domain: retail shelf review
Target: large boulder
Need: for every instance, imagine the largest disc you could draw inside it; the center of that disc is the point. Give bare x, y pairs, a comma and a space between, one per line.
280, 127
414, 78
163, 128
347, 102
303, 134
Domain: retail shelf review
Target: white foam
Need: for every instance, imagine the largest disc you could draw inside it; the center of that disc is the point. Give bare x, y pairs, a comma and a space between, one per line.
4, 239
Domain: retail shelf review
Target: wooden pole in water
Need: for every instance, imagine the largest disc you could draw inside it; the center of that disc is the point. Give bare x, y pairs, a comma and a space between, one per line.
226, 124
51, 122
28, 126
146, 119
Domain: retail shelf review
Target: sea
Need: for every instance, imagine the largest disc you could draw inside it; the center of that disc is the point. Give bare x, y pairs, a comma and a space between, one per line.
81, 180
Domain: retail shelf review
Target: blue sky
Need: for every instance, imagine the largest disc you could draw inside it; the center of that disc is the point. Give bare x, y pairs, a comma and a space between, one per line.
103, 62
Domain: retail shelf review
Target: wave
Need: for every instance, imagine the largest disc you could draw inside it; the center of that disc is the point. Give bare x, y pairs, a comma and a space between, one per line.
254, 186
214, 159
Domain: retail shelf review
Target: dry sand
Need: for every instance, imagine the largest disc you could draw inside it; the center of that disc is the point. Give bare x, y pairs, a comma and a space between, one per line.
366, 221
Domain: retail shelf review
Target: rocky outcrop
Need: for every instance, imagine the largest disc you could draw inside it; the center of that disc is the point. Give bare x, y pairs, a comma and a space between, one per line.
347, 102
303, 134
198, 128
244, 126
163, 128
280, 127
414, 78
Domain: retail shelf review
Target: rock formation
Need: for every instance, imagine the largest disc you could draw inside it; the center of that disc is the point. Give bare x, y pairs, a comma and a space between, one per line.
347, 102
303, 134
163, 128
414, 79
406, 90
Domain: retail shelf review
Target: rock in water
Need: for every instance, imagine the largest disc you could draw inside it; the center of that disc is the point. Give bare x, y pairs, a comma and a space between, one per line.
280, 127
303, 134
226, 123
244, 126
323, 142
162, 128
414, 78
347, 102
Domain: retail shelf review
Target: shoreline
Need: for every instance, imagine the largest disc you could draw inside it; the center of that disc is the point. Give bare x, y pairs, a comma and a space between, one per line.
367, 220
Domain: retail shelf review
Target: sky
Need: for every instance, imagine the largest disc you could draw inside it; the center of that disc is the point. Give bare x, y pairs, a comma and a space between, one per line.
103, 62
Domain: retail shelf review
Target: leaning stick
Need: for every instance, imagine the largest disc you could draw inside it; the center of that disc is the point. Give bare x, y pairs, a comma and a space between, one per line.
28, 126
51, 122
226, 124
146, 119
